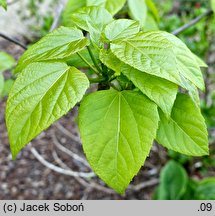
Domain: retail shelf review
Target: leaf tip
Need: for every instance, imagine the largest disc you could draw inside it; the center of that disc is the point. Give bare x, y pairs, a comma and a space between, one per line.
13, 157
119, 189
13, 153
206, 152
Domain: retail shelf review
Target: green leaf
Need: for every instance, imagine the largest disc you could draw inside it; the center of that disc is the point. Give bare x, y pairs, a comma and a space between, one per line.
159, 90
150, 24
190, 191
138, 10
200, 62
160, 54
150, 4
3, 3
113, 6
59, 44
206, 189
1, 83
42, 93
173, 182
7, 87
185, 132
71, 7
121, 28
192, 91
108, 59
92, 20
95, 2
194, 94
117, 130
6, 61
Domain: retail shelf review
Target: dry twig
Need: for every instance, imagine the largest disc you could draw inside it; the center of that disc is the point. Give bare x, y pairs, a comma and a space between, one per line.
83, 182
193, 22
59, 169
13, 41
67, 133
143, 185
68, 152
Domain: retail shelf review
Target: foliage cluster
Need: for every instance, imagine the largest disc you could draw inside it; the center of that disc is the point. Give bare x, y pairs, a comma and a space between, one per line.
147, 80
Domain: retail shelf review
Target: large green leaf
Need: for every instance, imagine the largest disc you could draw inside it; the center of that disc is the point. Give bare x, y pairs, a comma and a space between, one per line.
159, 90
71, 7
3, 3
117, 130
121, 28
92, 20
160, 54
188, 64
59, 44
113, 6
138, 10
173, 182
6, 61
185, 132
42, 93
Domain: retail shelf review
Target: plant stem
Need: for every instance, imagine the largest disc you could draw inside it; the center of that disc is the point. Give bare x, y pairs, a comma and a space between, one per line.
96, 80
93, 59
192, 22
112, 78
88, 63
